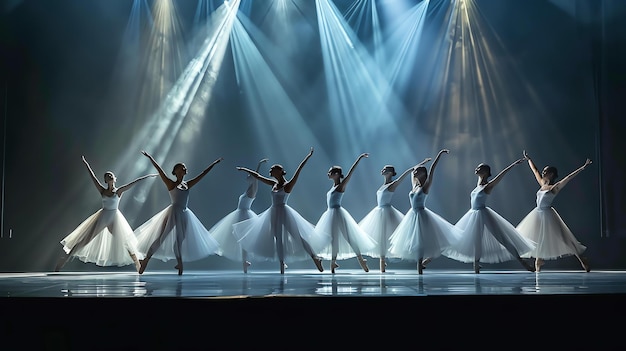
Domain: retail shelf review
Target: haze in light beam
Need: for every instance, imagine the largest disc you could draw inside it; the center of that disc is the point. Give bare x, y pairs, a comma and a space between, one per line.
170, 123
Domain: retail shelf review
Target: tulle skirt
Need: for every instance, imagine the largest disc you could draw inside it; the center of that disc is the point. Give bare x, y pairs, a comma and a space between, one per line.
112, 240
486, 228
347, 236
258, 235
422, 233
554, 239
195, 240
379, 224
222, 232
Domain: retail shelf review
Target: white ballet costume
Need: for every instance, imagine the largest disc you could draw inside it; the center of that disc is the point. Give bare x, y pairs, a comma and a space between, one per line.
222, 231
483, 230
545, 226
279, 233
348, 238
422, 233
113, 240
381, 221
179, 225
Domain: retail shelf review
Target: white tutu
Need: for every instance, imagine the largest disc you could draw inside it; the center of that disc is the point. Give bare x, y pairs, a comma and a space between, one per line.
380, 223
483, 230
258, 235
484, 225
222, 231
112, 240
422, 233
348, 238
180, 223
544, 226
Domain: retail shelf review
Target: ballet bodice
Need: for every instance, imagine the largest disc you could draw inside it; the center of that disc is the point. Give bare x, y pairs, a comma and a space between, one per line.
110, 202
279, 197
544, 199
478, 197
179, 197
333, 198
383, 196
417, 199
245, 202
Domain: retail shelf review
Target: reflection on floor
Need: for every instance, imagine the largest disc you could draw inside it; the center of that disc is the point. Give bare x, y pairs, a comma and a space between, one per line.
232, 284
161, 310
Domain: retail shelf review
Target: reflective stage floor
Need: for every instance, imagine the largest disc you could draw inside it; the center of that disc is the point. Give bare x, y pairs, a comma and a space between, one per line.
348, 283
161, 310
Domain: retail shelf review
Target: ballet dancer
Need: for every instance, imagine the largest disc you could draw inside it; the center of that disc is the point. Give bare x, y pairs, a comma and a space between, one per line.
175, 232
104, 238
544, 225
280, 233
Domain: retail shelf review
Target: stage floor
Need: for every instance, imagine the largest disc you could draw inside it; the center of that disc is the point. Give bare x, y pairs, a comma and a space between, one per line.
233, 284
122, 310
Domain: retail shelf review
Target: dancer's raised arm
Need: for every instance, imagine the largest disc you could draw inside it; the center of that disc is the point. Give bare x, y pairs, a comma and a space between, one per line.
290, 184
125, 187
429, 180
254, 185
197, 178
255, 174
493, 182
170, 184
534, 169
94, 179
346, 179
561, 183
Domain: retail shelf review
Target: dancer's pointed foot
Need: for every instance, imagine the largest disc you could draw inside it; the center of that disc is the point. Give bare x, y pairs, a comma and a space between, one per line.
137, 265
318, 263
60, 263
585, 263
538, 263
180, 268
477, 267
142, 265
246, 264
333, 265
426, 261
363, 263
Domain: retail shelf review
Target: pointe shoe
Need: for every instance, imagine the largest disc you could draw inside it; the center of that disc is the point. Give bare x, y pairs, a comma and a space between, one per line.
137, 265
246, 264
425, 262
333, 265
585, 264
180, 268
363, 263
318, 263
136, 261
60, 263
477, 267
142, 265
538, 263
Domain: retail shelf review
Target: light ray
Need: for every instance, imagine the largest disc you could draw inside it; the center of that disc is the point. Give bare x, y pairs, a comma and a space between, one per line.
480, 95
281, 130
175, 121
165, 56
402, 46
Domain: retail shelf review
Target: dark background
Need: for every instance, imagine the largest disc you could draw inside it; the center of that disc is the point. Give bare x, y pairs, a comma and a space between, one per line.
562, 73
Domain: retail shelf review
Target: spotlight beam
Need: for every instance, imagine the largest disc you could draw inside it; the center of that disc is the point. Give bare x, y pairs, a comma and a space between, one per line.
163, 128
